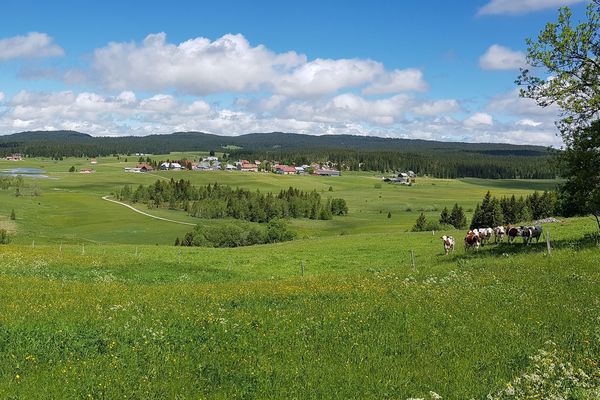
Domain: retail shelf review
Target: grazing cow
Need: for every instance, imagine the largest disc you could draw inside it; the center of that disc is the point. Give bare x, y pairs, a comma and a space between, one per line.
448, 243
513, 232
484, 234
472, 240
499, 233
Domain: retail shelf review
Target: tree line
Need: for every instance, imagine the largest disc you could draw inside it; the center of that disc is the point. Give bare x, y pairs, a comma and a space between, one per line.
449, 164
222, 201
492, 212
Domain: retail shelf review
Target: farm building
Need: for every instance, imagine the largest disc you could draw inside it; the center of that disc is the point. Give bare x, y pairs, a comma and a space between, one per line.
284, 169
86, 171
247, 166
93, 161
327, 172
15, 157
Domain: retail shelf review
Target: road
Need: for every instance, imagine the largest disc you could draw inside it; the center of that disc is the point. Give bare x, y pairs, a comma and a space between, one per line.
145, 213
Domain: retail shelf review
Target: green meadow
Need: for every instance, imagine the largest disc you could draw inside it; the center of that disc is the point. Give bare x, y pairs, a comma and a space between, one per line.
96, 302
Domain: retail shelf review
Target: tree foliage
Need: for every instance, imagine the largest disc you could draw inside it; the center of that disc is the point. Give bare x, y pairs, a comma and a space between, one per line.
570, 57
222, 201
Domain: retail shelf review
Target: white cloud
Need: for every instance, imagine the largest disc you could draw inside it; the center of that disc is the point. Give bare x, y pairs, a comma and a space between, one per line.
511, 103
2, 97
499, 58
320, 77
230, 64
198, 66
479, 118
397, 81
396, 116
528, 122
522, 6
436, 107
33, 45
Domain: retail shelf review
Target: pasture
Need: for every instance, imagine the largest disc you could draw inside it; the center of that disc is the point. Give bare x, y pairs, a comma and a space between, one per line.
102, 306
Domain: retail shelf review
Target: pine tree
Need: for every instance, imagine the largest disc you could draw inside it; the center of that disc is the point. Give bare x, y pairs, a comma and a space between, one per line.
477, 220
457, 217
12, 215
445, 217
389, 214
420, 224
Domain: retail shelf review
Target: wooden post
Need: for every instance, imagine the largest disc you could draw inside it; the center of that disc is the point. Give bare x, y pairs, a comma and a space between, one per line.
60, 248
33, 244
412, 257
83, 249
229, 264
548, 242
302, 268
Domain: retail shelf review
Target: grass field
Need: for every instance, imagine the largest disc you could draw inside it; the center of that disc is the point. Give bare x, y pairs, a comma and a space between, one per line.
116, 312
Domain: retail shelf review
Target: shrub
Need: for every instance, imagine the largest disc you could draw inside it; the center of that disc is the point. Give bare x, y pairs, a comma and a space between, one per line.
4, 238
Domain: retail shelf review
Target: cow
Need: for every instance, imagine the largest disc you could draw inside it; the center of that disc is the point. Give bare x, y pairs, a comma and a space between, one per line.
499, 233
472, 240
530, 233
484, 234
448, 243
526, 232
513, 232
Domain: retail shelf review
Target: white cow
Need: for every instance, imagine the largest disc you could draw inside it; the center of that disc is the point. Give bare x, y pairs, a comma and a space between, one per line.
485, 234
448, 243
499, 233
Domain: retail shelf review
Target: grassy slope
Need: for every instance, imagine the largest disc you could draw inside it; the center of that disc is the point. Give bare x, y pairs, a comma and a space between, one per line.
146, 321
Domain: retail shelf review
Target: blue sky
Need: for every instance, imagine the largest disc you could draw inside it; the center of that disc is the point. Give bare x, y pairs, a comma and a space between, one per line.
435, 70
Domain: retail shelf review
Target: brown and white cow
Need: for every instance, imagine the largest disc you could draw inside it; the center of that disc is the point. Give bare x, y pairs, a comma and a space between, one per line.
472, 240
448, 243
513, 232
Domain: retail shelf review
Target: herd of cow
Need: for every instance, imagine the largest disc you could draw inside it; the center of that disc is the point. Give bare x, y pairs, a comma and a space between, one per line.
482, 236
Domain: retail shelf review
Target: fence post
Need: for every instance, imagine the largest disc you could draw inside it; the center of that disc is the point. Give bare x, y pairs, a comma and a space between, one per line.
60, 248
548, 242
412, 257
83, 249
33, 244
302, 268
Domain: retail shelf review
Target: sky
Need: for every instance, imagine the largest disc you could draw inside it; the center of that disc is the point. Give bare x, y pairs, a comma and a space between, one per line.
438, 70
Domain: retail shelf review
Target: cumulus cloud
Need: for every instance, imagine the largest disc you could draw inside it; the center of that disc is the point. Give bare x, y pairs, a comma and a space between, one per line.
511, 103
479, 118
231, 64
400, 115
501, 58
32, 45
522, 6
397, 81
436, 107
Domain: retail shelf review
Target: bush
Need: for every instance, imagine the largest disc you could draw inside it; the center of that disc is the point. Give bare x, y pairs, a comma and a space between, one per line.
237, 234
4, 238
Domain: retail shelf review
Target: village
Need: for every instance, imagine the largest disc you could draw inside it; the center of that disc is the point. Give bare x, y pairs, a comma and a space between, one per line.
212, 163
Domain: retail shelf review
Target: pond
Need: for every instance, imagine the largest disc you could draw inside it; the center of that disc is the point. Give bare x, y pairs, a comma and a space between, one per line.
25, 172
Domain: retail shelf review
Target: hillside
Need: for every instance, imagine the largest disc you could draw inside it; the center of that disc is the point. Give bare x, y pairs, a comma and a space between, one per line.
192, 141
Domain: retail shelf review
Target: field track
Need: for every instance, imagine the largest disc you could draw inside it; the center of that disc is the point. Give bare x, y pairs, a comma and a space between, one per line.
146, 214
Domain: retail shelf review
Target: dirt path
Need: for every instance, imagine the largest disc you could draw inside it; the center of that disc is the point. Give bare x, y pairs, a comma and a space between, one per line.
145, 213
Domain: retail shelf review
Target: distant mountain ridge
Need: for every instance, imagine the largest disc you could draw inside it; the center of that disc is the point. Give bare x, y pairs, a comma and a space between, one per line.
193, 141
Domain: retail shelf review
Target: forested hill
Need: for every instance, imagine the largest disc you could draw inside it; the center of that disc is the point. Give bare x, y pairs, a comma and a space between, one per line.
441, 159
71, 143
